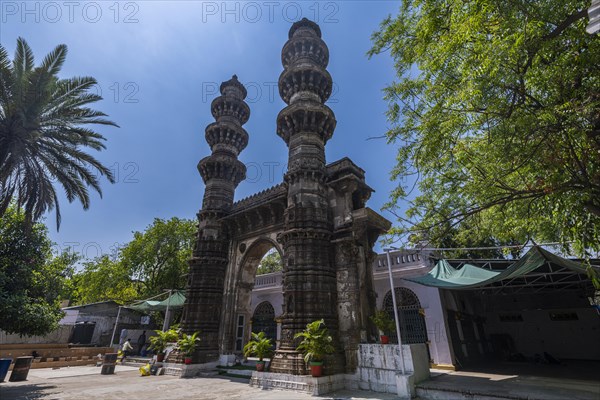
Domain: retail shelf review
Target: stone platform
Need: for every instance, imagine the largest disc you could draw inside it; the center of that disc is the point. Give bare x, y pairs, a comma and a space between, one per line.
299, 383
191, 370
379, 370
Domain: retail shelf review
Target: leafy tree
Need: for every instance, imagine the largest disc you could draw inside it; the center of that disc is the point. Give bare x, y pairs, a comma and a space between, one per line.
154, 260
32, 283
62, 269
158, 257
496, 113
271, 262
42, 133
104, 279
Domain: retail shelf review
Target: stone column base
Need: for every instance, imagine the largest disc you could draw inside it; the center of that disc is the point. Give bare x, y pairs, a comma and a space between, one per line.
191, 370
288, 362
298, 383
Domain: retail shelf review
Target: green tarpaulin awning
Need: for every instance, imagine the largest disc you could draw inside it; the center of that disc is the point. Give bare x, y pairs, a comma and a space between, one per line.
175, 301
444, 276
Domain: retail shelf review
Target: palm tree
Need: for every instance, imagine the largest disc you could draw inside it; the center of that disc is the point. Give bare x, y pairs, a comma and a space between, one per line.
42, 133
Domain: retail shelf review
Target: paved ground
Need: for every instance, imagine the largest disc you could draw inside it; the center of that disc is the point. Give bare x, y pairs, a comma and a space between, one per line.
80, 383
509, 386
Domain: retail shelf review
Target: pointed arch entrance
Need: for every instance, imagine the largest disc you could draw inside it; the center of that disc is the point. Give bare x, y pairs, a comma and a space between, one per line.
412, 323
263, 320
239, 317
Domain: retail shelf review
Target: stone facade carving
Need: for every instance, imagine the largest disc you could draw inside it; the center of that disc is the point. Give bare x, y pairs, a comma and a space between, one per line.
316, 219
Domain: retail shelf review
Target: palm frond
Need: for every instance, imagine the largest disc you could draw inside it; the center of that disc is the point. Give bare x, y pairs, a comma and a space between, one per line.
24, 60
44, 134
53, 62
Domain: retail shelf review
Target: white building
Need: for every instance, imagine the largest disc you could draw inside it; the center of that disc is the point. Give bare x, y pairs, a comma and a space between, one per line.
422, 318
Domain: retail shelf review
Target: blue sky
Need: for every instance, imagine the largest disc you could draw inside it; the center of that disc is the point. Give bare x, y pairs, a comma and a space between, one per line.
159, 65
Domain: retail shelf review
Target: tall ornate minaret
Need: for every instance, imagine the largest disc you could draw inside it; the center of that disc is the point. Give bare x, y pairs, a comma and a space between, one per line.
309, 287
221, 172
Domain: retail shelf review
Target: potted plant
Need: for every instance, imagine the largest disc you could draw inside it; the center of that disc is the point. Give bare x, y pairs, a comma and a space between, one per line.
187, 345
385, 324
315, 345
260, 346
159, 342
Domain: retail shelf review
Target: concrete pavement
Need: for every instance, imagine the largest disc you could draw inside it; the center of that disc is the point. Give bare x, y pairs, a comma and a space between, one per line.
80, 383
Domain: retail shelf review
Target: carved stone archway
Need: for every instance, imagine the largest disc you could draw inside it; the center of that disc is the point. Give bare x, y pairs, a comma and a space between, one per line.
317, 219
237, 312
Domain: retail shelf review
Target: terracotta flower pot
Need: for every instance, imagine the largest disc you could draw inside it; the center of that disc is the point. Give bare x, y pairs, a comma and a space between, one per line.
316, 368
187, 360
260, 366
384, 339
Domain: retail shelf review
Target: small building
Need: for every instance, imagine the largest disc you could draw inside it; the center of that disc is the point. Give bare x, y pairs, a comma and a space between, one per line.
422, 318
95, 322
531, 312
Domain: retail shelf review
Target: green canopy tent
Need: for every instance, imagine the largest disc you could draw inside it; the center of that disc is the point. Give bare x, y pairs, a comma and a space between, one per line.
174, 301
537, 268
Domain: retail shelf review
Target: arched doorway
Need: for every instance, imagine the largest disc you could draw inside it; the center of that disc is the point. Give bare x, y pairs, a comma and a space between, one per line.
263, 320
247, 316
412, 323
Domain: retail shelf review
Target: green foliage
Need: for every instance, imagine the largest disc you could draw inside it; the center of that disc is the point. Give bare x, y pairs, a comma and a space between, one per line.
104, 279
496, 113
383, 322
316, 341
260, 346
271, 262
42, 133
188, 343
62, 269
159, 342
158, 257
171, 335
154, 260
32, 282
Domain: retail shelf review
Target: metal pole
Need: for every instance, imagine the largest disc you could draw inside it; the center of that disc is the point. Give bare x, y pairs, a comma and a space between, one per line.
166, 323
112, 339
389, 264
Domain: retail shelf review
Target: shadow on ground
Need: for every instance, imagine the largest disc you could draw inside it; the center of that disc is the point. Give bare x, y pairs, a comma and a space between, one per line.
26, 392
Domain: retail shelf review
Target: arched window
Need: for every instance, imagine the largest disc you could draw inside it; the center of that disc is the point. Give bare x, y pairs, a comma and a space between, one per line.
263, 320
412, 323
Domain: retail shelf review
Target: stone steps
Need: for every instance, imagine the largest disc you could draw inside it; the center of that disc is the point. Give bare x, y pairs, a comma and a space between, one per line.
136, 361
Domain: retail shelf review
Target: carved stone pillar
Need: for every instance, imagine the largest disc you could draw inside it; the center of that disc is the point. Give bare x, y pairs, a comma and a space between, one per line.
309, 278
221, 172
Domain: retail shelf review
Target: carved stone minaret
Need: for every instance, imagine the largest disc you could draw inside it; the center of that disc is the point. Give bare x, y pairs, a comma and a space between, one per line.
306, 124
221, 172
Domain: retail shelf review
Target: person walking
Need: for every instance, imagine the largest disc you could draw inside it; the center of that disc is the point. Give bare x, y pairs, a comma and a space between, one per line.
141, 342
127, 349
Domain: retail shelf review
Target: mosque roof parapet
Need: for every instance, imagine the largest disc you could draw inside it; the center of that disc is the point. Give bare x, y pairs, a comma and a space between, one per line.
259, 198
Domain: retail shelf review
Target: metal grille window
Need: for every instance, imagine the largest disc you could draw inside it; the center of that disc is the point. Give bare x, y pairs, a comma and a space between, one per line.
239, 340
412, 323
263, 320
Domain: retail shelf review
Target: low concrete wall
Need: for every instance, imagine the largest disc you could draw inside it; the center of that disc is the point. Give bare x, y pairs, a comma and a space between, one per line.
59, 336
379, 370
380, 365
